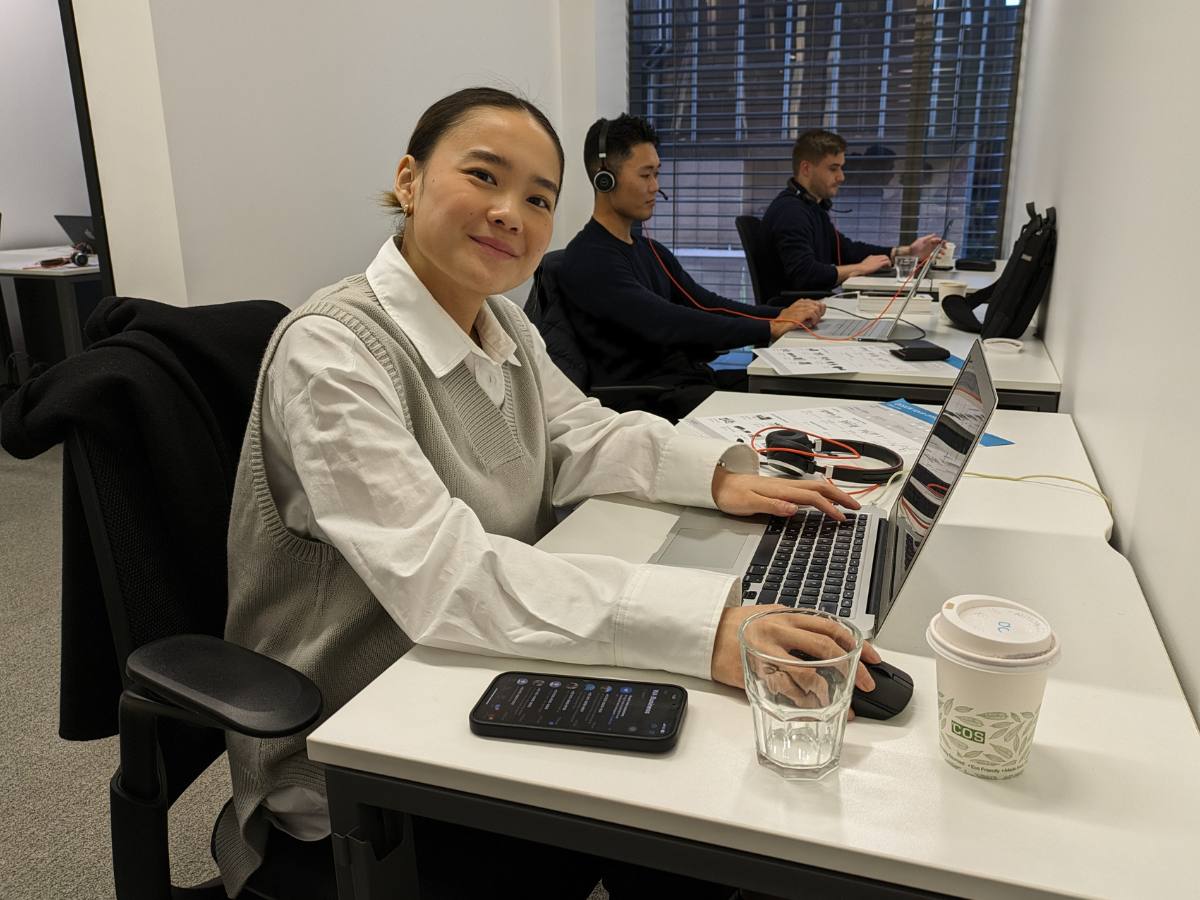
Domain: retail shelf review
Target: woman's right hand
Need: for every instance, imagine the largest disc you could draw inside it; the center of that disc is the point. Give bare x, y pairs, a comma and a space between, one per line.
813, 635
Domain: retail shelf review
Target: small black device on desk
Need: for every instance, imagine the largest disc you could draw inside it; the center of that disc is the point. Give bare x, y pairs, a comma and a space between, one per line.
590, 712
893, 690
975, 265
920, 351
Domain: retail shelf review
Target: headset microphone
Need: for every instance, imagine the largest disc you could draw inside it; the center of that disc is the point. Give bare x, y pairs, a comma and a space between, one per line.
664, 195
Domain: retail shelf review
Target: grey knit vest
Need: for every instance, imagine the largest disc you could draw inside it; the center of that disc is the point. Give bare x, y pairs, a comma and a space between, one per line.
299, 601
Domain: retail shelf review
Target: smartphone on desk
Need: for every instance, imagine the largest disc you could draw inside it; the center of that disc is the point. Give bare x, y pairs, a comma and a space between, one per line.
589, 712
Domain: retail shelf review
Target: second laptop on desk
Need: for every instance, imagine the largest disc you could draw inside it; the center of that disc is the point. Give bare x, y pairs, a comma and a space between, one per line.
855, 568
886, 328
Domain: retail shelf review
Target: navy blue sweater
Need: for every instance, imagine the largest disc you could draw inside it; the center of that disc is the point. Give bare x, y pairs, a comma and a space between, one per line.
806, 241
634, 325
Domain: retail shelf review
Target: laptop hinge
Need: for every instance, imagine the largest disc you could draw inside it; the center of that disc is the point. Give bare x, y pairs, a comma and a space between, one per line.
878, 561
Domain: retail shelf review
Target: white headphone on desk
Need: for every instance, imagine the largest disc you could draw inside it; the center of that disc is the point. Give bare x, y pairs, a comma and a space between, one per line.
1003, 345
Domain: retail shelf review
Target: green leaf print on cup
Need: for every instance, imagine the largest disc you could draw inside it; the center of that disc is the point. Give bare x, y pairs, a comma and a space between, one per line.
1008, 738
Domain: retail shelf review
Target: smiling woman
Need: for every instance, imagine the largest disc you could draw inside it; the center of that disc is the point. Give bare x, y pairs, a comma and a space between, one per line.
408, 441
477, 190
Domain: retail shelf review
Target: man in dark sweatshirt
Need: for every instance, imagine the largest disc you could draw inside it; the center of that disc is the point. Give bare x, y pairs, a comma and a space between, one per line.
629, 297
814, 254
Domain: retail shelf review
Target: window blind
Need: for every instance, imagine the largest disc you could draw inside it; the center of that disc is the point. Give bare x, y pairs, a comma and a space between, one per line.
923, 91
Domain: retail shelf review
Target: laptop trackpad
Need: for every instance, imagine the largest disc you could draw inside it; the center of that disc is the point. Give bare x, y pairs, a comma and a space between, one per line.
707, 539
692, 548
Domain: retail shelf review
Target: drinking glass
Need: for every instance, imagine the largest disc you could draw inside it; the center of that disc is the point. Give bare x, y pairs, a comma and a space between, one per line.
905, 266
799, 704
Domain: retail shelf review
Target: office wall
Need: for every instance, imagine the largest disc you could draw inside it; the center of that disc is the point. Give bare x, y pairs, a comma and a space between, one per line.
1108, 131
249, 163
41, 170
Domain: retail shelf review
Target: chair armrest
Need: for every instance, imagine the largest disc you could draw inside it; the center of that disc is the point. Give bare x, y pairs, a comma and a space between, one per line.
225, 685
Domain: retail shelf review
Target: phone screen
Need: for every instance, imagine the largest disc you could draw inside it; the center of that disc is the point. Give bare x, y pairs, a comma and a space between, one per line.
594, 705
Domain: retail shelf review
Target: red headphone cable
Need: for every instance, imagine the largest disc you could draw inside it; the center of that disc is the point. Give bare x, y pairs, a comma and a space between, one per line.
821, 337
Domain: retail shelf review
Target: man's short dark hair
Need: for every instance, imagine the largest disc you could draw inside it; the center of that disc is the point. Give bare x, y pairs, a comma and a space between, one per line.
814, 145
624, 133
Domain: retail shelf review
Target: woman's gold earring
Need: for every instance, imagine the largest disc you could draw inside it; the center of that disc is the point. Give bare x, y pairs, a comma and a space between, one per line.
408, 211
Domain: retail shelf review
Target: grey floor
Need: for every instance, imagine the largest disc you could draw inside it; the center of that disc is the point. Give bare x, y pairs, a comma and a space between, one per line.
54, 834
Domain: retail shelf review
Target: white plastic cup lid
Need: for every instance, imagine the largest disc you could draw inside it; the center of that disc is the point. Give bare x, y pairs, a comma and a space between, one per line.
992, 633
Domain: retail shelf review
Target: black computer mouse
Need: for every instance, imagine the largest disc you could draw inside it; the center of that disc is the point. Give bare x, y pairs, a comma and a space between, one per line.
893, 690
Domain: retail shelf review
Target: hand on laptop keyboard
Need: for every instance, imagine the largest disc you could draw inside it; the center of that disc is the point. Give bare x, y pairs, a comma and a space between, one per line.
749, 495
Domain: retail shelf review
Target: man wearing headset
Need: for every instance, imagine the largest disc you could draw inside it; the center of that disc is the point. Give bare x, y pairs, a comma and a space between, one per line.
639, 317
814, 254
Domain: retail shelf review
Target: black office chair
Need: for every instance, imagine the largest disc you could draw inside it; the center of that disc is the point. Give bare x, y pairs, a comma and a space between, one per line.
155, 552
766, 271
550, 313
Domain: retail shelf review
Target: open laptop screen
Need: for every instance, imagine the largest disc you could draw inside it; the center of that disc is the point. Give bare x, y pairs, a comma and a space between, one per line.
78, 229
941, 462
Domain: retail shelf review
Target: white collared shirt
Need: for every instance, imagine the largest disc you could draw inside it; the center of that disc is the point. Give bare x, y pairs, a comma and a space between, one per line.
328, 400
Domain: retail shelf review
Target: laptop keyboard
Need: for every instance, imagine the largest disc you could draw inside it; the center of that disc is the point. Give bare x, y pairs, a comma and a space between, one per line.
809, 561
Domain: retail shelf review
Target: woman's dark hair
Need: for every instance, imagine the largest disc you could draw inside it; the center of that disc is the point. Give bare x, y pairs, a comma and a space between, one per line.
449, 111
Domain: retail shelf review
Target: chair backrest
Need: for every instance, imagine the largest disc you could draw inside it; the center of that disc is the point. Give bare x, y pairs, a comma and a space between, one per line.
156, 498
142, 595
766, 271
547, 310
159, 554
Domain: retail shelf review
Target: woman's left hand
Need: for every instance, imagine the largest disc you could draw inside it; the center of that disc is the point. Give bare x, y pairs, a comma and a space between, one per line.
747, 495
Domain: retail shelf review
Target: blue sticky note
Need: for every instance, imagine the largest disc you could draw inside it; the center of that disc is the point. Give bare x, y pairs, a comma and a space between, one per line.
956, 361
925, 415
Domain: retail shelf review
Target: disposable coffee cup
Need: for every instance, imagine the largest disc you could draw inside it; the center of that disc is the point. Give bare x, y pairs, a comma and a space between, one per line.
947, 288
992, 656
945, 257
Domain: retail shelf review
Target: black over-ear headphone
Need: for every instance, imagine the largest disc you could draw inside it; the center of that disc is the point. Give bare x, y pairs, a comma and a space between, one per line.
604, 180
802, 192
794, 452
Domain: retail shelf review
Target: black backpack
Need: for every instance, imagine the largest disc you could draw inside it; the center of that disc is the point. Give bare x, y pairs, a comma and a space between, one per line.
1013, 298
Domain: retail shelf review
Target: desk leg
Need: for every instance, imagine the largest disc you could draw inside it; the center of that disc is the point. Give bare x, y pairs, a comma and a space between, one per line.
8, 286
68, 316
373, 853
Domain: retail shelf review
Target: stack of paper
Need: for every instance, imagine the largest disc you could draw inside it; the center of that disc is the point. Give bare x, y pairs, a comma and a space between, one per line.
835, 357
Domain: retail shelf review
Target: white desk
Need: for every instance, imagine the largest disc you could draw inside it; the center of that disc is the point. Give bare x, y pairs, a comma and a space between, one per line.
1025, 380
973, 280
1043, 443
13, 265
1109, 806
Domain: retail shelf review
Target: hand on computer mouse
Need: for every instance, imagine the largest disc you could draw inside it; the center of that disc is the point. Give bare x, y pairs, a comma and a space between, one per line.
748, 495
893, 689
813, 635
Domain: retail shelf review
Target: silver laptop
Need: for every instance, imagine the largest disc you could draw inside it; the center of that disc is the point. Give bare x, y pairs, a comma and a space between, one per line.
887, 328
78, 229
853, 569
